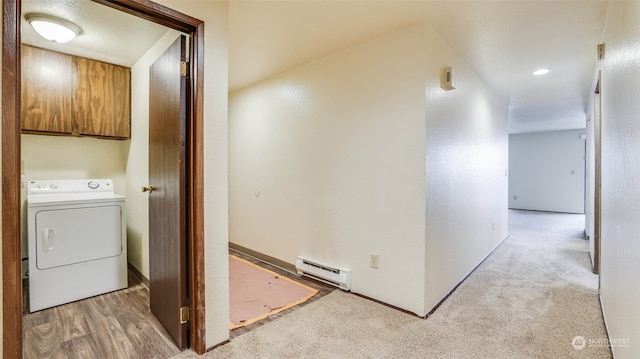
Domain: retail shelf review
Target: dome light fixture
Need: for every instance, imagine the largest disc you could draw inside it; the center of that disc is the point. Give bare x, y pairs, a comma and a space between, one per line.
540, 72
53, 28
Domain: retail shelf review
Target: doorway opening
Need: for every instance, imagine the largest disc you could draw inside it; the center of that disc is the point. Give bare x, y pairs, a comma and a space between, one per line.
11, 155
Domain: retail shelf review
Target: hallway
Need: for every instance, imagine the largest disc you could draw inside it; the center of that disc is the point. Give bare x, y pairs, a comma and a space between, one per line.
547, 225
531, 298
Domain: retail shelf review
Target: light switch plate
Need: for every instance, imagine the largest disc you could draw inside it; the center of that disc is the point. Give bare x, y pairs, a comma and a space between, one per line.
374, 260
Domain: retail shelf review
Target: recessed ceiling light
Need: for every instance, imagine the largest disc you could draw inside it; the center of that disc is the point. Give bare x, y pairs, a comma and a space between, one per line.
540, 72
53, 28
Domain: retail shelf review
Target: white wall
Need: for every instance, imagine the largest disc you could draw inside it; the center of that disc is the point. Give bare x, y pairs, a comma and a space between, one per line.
547, 171
215, 16
327, 161
137, 167
66, 157
467, 159
620, 270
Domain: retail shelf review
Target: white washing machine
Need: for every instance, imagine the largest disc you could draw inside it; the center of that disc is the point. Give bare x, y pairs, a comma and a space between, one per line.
77, 241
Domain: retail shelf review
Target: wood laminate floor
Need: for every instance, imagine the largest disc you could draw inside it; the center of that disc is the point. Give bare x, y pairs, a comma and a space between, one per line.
114, 325
119, 325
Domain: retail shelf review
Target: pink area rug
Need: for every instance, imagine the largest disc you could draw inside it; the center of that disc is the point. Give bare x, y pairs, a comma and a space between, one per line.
256, 293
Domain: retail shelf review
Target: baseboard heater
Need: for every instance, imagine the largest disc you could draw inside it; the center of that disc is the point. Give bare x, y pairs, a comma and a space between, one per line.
323, 272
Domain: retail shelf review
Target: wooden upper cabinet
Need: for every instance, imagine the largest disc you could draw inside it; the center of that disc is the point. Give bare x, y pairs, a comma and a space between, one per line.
103, 98
46, 91
63, 94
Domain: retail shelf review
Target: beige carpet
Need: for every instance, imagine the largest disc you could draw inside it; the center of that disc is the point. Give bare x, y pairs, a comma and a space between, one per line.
528, 300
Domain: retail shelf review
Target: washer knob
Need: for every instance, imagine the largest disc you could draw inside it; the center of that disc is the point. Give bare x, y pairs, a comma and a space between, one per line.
53, 186
41, 185
93, 184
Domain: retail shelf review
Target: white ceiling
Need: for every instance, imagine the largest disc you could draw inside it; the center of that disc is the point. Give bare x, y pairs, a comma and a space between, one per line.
107, 35
503, 41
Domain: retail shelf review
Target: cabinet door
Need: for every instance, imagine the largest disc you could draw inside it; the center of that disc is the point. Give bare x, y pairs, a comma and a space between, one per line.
47, 91
103, 99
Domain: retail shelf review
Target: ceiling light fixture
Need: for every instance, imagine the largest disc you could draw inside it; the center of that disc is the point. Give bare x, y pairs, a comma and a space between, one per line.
53, 28
540, 72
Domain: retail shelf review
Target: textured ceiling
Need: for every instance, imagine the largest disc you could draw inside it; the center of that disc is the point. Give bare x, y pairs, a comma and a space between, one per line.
107, 35
503, 41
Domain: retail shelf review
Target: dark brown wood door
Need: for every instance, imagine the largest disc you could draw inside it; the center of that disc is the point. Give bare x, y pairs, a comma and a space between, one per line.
167, 200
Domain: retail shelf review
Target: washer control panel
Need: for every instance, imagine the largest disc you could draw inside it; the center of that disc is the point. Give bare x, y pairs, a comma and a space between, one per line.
51, 187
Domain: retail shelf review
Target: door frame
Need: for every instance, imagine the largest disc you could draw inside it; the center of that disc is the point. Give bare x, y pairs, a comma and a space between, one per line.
11, 156
597, 135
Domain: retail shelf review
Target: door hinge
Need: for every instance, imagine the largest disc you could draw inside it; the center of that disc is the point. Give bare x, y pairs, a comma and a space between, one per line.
184, 69
601, 51
184, 314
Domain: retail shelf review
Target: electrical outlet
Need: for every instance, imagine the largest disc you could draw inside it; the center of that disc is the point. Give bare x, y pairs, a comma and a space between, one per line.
374, 261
